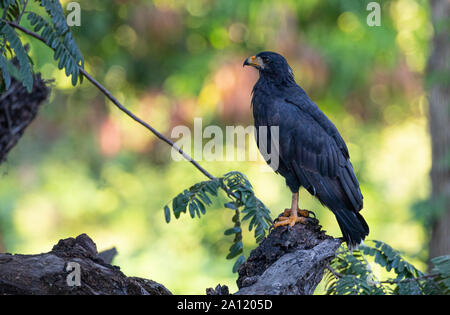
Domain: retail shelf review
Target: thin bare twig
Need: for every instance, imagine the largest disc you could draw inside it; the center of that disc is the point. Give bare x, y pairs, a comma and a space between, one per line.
21, 13
121, 107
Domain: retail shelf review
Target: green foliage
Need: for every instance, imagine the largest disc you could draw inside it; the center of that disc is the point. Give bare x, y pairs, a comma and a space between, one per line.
26, 75
59, 38
4, 69
351, 273
239, 190
195, 199
11, 9
56, 35
389, 258
442, 269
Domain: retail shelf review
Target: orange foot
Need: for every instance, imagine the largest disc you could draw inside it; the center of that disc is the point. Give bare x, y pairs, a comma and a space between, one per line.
301, 212
291, 218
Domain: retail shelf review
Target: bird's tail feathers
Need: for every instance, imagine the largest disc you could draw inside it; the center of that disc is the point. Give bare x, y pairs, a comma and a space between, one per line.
331, 194
353, 226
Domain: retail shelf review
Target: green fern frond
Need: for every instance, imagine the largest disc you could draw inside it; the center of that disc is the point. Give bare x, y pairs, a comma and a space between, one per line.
391, 259
195, 199
442, 269
11, 9
59, 37
56, 34
239, 190
6, 3
56, 12
350, 273
4, 69
15, 43
253, 209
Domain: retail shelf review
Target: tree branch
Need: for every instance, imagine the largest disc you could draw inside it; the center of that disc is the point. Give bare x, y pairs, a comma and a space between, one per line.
71, 267
108, 94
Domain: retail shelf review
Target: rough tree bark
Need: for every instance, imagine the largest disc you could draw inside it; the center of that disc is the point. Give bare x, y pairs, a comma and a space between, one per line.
439, 122
49, 273
288, 261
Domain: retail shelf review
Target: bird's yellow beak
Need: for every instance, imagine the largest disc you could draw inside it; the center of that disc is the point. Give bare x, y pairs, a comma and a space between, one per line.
254, 62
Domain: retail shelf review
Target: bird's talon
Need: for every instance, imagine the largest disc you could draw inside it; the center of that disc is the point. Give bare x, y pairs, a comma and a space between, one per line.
306, 213
301, 212
291, 220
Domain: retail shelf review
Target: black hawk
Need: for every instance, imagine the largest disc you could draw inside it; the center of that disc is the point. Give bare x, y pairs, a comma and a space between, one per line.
311, 152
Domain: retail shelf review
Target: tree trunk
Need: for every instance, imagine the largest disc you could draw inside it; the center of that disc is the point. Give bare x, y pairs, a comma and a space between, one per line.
439, 122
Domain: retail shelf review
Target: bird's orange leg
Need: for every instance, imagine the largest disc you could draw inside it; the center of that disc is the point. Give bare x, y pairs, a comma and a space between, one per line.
291, 216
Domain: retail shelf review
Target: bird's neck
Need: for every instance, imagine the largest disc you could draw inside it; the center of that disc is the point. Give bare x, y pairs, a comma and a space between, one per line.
277, 80
273, 85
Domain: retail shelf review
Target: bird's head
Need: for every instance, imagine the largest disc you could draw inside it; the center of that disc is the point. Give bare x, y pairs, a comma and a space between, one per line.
270, 65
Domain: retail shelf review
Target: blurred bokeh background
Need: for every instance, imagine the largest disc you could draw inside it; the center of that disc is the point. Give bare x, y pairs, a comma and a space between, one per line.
85, 167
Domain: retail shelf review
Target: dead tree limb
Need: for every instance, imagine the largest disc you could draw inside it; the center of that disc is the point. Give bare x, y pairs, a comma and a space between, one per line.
54, 273
288, 261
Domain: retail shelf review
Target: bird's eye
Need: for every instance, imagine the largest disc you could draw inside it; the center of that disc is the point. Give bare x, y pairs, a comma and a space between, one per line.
265, 59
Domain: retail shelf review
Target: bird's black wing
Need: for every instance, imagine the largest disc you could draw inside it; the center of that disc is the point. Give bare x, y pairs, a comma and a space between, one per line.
299, 98
319, 157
